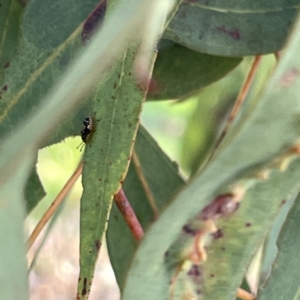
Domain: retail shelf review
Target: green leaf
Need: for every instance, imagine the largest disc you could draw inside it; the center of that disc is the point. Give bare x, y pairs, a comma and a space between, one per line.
13, 264
51, 39
214, 103
34, 191
179, 71
270, 247
116, 111
246, 166
233, 28
19, 149
284, 282
10, 15
163, 179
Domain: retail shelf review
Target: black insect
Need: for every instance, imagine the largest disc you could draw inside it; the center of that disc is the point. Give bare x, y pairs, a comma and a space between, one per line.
85, 132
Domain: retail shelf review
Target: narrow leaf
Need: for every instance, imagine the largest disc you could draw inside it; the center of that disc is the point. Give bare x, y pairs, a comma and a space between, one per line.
116, 111
284, 280
164, 181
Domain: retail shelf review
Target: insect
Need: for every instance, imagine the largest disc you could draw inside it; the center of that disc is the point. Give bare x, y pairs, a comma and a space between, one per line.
88, 127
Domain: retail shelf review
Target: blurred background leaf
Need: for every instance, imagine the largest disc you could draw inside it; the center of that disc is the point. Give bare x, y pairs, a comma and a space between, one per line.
231, 28
284, 278
10, 17
179, 71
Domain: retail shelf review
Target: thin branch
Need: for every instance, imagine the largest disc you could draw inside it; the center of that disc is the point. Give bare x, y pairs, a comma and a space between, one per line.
242, 95
149, 195
129, 215
244, 295
277, 55
53, 207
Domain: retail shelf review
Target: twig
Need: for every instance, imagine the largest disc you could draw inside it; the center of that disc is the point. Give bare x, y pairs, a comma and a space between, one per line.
277, 55
54, 205
241, 97
242, 294
129, 215
149, 195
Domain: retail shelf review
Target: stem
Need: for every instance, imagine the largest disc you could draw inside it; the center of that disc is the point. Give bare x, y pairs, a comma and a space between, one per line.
129, 215
54, 205
241, 97
149, 195
277, 55
244, 295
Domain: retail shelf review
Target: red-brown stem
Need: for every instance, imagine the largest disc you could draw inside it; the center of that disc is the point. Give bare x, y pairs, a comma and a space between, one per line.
129, 215
242, 95
146, 187
245, 88
54, 206
277, 55
242, 294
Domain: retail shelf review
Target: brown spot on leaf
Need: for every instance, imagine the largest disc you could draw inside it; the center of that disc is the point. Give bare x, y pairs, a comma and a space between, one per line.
221, 206
84, 289
6, 65
282, 202
194, 271
195, 275
4, 88
289, 77
93, 21
218, 234
97, 245
248, 224
234, 33
188, 230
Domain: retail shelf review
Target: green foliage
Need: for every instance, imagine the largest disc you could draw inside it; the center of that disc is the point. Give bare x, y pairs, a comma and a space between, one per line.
164, 181
284, 283
179, 71
205, 232
233, 28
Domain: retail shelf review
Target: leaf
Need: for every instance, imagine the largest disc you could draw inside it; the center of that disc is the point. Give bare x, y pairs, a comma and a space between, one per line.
10, 15
18, 150
233, 28
246, 168
13, 264
51, 39
214, 103
179, 71
163, 179
116, 111
283, 282
28, 74
34, 191
270, 248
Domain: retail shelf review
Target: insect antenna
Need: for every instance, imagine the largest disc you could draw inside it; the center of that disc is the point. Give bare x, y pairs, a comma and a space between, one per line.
80, 146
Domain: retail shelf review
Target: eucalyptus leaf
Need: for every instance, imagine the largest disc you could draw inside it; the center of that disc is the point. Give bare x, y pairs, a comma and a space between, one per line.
179, 71
164, 181
256, 163
10, 16
284, 281
233, 28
